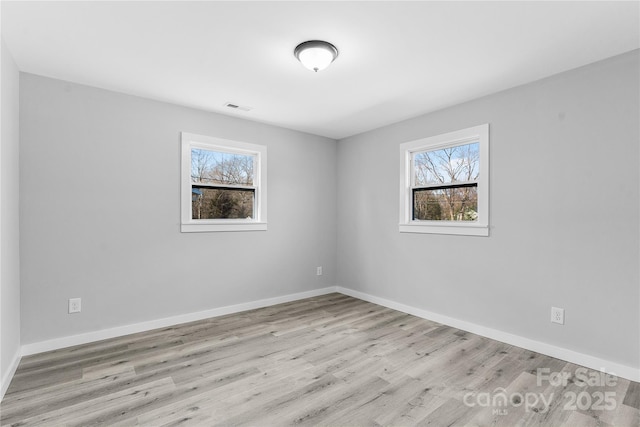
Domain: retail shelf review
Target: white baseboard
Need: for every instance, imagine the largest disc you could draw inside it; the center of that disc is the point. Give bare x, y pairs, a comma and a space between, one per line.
561, 353
57, 343
8, 376
588, 361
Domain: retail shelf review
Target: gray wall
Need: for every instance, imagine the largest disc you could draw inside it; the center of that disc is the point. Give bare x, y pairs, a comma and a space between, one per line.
101, 216
9, 217
564, 215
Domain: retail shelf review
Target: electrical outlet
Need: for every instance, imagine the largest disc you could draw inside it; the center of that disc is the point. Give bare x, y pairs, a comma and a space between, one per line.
75, 305
557, 315
319, 271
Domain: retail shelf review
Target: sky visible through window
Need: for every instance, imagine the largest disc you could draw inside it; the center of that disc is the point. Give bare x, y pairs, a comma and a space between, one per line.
216, 167
447, 165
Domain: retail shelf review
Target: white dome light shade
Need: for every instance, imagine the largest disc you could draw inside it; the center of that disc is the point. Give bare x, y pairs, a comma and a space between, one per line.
316, 54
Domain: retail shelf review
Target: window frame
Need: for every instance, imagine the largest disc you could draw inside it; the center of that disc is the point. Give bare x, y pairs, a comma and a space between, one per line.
259, 221
479, 227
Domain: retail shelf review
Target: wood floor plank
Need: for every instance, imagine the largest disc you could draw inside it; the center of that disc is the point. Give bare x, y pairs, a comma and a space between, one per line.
412, 411
18, 406
85, 412
329, 360
278, 407
450, 413
632, 396
578, 419
346, 396
24, 381
371, 403
73, 363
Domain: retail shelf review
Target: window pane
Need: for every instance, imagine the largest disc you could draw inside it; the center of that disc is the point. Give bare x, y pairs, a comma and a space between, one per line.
221, 203
215, 167
446, 165
458, 203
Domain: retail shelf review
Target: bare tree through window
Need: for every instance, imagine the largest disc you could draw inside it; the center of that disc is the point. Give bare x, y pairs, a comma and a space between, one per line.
222, 185
446, 183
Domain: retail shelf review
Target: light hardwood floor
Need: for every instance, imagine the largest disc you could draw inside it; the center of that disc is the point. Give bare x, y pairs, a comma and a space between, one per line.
331, 360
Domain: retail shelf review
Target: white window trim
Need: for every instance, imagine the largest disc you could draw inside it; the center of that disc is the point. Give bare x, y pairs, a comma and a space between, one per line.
189, 225
480, 227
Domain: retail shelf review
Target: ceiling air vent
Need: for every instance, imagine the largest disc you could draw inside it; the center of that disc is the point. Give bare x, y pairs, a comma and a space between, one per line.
236, 106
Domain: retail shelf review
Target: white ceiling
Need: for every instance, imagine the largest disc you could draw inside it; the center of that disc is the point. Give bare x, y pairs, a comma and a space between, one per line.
397, 59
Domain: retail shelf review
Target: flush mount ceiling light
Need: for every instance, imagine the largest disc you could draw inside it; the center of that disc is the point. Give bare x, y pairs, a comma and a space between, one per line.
316, 54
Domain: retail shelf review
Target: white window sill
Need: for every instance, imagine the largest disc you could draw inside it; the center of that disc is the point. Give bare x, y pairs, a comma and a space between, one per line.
457, 229
239, 226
